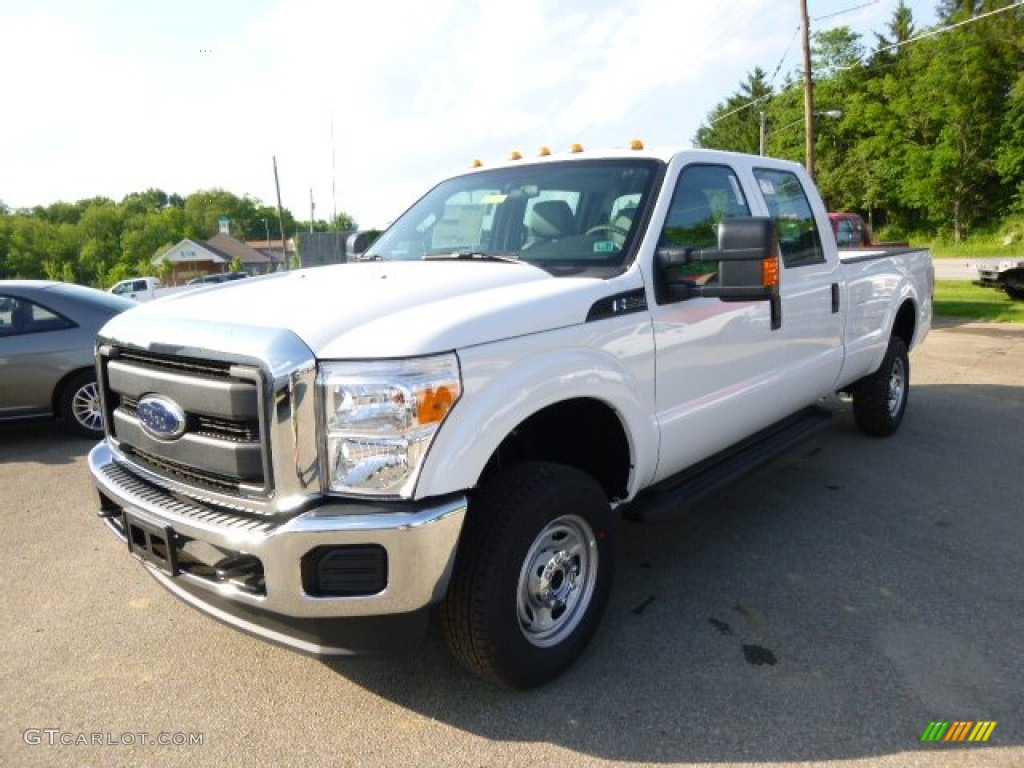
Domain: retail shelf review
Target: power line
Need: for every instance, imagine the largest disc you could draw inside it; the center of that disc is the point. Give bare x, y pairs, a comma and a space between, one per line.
860, 61
784, 55
848, 10
932, 33
740, 108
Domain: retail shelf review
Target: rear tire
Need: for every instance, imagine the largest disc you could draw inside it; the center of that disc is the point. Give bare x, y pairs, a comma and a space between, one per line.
880, 400
80, 405
532, 574
1014, 285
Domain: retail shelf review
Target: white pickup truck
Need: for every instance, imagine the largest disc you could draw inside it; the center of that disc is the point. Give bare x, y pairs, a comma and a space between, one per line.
322, 457
138, 288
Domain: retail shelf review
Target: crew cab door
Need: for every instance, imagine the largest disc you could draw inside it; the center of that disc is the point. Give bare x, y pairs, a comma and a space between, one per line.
718, 363
810, 287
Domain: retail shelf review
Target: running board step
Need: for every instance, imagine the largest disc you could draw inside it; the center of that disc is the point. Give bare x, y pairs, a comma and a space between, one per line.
669, 498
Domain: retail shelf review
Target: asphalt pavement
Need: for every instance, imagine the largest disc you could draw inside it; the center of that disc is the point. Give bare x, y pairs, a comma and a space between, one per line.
822, 611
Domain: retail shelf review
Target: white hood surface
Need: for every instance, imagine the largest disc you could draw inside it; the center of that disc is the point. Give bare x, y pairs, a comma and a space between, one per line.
382, 309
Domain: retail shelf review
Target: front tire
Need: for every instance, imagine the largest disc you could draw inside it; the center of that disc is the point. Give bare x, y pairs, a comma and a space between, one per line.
80, 405
880, 400
532, 574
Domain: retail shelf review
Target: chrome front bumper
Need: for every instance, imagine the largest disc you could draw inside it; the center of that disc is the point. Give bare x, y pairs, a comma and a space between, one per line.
420, 540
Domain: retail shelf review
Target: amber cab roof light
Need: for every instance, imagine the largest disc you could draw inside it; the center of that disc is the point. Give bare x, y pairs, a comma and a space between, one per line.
575, 148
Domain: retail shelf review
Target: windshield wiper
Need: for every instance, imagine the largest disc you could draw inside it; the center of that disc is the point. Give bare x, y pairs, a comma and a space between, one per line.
472, 256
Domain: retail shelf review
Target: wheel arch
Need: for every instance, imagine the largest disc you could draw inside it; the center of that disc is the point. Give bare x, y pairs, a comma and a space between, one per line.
570, 408
584, 433
61, 385
904, 324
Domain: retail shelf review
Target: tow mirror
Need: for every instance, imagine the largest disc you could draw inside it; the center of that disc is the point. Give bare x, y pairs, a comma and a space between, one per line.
748, 265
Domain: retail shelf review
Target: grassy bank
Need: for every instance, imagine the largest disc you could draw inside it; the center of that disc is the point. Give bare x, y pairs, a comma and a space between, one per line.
960, 298
988, 249
1003, 241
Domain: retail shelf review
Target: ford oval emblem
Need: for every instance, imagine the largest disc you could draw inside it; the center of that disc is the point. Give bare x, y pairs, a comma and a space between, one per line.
161, 417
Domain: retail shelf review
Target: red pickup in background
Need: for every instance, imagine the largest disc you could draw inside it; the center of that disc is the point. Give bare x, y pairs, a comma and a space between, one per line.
852, 231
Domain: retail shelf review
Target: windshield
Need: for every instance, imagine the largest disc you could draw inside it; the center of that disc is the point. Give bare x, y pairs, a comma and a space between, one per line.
566, 217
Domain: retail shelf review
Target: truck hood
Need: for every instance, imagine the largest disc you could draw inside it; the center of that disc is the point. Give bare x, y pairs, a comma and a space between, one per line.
378, 309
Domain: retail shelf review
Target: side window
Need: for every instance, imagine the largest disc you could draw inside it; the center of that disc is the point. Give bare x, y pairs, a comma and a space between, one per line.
845, 236
18, 316
6, 316
799, 238
704, 195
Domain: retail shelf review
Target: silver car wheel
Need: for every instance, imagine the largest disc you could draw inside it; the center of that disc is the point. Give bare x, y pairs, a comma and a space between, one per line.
85, 406
557, 580
897, 387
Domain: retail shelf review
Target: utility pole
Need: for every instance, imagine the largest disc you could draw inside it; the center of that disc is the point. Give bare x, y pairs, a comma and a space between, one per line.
334, 174
808, 91
280, 217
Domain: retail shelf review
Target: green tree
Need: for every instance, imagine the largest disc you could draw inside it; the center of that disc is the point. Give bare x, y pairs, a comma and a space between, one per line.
955, 106
343, 222
34, 249
145, 233
735, 123
100, 231
1010, 154
150, 201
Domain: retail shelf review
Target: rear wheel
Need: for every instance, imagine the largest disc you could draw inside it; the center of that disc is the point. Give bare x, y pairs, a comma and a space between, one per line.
1014, 285
532, 574
80, 405
880, 400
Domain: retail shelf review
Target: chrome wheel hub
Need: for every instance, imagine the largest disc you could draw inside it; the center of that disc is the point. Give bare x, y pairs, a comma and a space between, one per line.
556, 582
897, 387
85, 407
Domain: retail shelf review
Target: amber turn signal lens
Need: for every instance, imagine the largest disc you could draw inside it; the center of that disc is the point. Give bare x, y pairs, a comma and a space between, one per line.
434, 404
770, 271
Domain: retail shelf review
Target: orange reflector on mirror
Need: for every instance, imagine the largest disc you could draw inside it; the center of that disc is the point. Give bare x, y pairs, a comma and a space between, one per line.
770, 271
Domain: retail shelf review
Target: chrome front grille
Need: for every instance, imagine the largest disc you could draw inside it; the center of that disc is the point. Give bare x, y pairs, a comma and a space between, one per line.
180, 472
211, 426
191, 365
224, 447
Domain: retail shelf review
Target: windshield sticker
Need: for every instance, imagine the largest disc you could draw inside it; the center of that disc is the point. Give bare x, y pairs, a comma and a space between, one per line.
460, 227
605, 246
494, 199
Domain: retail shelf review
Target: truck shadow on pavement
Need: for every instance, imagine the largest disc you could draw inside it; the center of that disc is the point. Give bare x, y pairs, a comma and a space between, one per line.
45, 442
829, 606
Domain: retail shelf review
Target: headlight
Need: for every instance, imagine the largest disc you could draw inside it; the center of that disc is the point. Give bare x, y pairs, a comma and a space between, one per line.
380, 418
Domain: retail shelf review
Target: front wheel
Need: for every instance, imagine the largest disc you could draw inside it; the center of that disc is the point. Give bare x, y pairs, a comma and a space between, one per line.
532, 575
880, 400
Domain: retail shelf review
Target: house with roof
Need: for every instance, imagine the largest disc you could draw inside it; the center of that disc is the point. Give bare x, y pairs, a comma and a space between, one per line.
193, 258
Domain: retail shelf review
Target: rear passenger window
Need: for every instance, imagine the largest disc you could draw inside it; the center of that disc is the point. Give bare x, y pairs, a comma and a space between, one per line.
19, 316
787, 202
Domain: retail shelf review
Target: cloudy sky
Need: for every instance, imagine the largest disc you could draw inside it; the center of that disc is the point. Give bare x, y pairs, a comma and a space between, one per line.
364, 104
